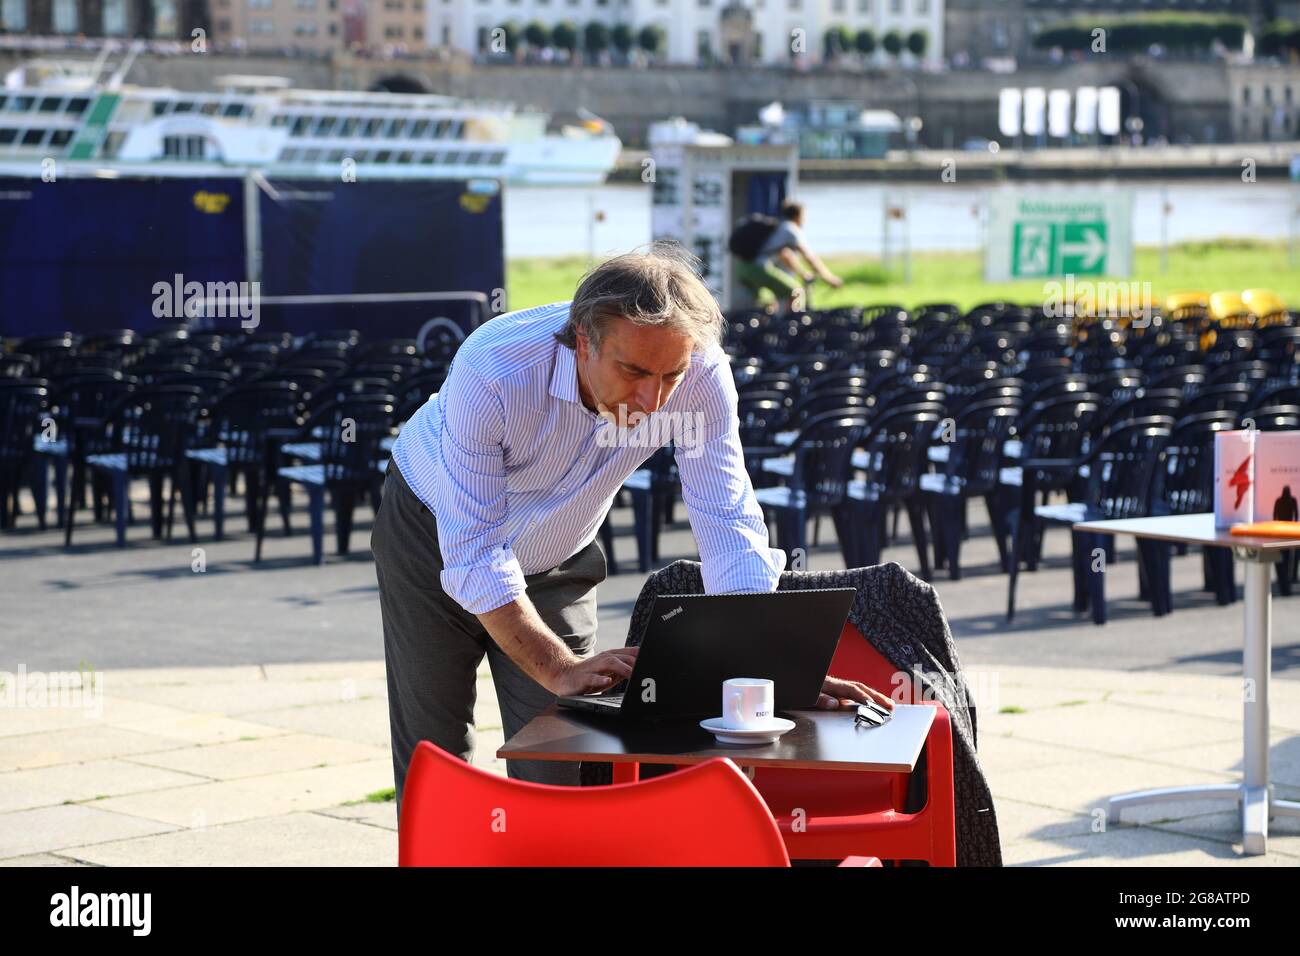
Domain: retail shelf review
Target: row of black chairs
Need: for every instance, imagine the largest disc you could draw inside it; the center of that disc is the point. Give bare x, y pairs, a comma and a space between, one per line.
204, 410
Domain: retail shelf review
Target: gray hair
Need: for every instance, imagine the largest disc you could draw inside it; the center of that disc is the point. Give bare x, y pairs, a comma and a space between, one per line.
658, 287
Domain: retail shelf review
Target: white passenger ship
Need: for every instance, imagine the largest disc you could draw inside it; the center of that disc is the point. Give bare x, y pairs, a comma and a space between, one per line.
60, 111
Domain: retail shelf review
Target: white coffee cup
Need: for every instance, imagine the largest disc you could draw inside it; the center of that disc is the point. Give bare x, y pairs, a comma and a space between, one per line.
748, 702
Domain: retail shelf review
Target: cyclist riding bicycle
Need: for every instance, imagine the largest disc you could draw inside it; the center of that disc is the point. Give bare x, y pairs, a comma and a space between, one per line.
762, 245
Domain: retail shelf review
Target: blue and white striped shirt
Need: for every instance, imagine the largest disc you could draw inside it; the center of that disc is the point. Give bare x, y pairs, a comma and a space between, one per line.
521, 474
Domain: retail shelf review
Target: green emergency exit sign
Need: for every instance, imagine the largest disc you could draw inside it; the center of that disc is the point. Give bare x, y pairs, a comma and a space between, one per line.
1058, 248
1034, 235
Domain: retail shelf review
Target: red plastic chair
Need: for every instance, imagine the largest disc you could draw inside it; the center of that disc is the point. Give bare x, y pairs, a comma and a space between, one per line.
454, 814
847, 812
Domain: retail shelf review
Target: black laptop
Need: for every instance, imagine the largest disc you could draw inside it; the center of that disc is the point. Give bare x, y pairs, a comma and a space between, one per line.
694, 642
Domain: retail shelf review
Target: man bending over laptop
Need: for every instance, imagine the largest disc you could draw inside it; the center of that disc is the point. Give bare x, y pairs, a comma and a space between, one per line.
486, 539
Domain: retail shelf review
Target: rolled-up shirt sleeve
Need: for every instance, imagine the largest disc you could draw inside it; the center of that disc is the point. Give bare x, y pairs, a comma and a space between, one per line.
480, 570
728, 523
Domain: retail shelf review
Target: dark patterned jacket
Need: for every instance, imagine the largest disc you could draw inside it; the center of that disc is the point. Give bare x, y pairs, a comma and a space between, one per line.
901, 616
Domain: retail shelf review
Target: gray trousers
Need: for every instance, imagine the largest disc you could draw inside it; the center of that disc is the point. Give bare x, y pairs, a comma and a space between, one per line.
433, 646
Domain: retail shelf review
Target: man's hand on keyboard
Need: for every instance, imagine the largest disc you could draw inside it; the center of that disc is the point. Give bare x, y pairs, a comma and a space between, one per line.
596, 673
838, 693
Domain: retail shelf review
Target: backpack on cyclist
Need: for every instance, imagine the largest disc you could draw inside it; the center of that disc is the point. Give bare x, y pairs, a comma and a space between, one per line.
750, 234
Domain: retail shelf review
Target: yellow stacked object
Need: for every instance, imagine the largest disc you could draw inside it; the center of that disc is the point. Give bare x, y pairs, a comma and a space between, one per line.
1187, 306
1266, 305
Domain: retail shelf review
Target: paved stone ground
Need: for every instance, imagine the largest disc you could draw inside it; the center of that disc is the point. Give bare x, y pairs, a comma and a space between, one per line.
243, 717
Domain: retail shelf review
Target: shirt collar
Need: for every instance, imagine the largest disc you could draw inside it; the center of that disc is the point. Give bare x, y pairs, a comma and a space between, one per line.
564, 375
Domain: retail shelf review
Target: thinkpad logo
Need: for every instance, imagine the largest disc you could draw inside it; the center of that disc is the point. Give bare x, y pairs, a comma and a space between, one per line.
673, 613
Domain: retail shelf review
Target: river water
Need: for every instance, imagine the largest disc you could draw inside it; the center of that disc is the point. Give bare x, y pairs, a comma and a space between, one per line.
848, 217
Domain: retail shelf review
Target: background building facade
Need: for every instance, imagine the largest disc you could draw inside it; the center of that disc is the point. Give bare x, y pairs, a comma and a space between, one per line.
694, 31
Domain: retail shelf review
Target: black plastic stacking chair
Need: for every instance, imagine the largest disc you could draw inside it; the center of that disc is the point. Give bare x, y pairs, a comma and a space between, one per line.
81, 403
1142, 404
653, 488
350, 462
150, 429
1273, 418
1187, 378
891, 458
817, 484
970, 470
1052, 436
1229, 396
1184, 484
242, 425
22, 407
1121, 469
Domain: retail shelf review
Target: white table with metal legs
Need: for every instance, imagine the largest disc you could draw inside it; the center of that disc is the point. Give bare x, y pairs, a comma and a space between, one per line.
1253, 794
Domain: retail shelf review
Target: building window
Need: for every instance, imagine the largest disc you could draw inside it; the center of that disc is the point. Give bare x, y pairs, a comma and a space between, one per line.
922, 7
115, 18
837, 6
795, 4
259, 4
702, 47
895, 6
65, 16
166, 22
305, 4
13, 15
864, 6
261, 27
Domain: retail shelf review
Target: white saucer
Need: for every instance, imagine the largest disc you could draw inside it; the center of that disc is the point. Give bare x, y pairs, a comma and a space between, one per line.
767, 734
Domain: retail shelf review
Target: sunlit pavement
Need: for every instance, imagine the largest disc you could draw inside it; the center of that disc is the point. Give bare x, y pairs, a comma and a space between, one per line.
238, 715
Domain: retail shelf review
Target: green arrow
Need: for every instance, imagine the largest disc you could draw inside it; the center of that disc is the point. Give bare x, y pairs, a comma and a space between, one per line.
1090, 250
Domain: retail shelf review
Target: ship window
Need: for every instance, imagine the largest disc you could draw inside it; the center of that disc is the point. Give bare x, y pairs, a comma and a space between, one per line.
184, 106
112, 143
23, 103
457, 129
428, 158
210, 108
7, 136
419, 128
160, 107
289, 156
299, 125
184, 147
279, 120
33, 137
3, 101
50, 104
397, 128
371, 127
498, 157
61, 137
406, 157
334, 156
78, 104
310, 155
451, 157
383, 156
473, 159
349, 126
233, 109
326, 126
